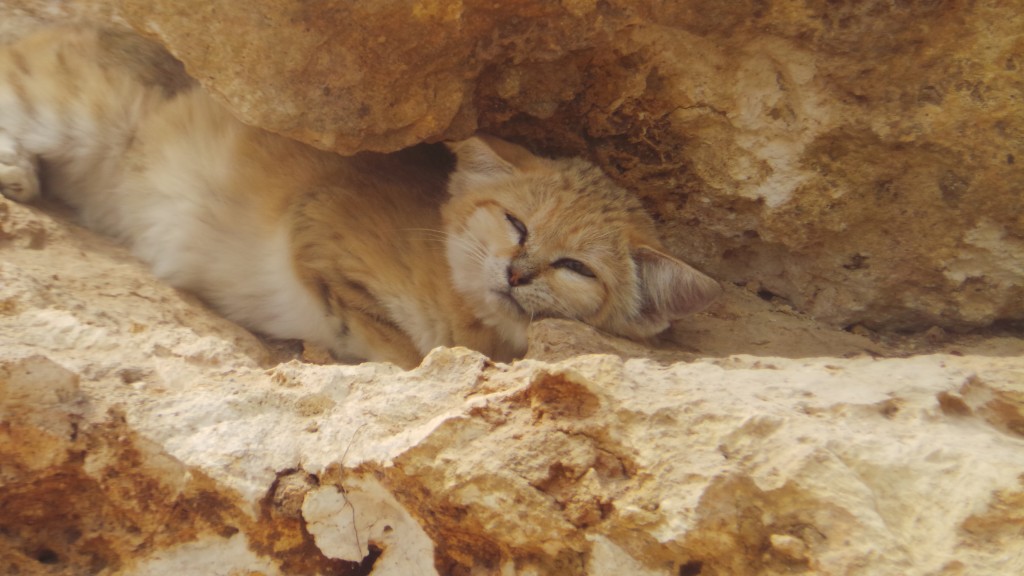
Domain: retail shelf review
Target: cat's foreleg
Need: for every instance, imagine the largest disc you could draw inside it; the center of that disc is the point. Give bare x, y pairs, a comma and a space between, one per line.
19, 171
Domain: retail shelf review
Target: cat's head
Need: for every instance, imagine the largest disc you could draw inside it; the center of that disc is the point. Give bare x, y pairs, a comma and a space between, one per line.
532, 238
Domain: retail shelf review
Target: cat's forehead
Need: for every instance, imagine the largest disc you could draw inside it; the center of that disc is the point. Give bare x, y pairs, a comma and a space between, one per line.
584, 201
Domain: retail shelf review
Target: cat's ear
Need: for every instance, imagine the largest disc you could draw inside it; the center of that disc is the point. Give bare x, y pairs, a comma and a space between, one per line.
484, 158
671, 288
476, 158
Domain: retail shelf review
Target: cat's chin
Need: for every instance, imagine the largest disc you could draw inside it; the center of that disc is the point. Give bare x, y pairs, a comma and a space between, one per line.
508, 303
505, 315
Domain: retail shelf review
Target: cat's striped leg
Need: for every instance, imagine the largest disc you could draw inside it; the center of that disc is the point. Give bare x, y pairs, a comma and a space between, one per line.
29, 118
72, 99
19, 171
38, 87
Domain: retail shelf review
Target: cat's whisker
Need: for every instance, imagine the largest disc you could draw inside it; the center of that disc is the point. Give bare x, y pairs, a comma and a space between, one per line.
434, 231
474, 248
430, 234
445, 236
470, 243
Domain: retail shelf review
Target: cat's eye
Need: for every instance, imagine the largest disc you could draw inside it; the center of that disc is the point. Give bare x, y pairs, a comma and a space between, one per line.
575, 266
519, 226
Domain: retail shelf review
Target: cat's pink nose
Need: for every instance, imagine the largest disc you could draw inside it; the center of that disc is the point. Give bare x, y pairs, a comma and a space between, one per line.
518, 277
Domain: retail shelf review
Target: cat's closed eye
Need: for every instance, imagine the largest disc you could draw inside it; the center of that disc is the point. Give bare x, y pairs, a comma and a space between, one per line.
574, 266
519, 226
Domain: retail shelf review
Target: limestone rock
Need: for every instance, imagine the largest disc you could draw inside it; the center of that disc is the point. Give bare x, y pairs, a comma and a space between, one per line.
141, 434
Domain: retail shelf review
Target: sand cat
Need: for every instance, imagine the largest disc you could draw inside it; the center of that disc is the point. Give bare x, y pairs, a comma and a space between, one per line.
375, 257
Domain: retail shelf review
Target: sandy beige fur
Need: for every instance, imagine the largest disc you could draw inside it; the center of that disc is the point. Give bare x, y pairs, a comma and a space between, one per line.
377, 257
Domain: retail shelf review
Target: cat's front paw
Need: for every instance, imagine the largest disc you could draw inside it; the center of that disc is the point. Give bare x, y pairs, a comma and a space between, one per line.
19, 177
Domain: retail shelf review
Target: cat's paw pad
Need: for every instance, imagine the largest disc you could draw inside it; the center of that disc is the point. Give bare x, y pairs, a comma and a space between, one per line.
18, 176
